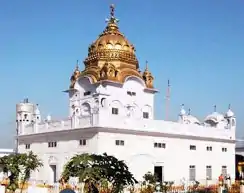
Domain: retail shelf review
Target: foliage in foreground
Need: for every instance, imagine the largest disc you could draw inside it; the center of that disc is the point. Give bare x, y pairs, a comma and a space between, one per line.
99, 169
150, 183
18, 167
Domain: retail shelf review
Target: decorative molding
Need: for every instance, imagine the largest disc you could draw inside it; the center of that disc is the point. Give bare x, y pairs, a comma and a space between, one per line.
66, 135
52, 160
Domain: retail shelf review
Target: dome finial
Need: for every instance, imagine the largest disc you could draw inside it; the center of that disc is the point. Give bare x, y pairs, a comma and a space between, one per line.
146, 69
77, 65
215, 108
112, 9
229, 107
112, 19
189, 111
112, 27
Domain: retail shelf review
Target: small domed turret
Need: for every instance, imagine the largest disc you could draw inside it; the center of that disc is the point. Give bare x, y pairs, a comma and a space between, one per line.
49, 118
37, 111
182, 115
75, 75
147, 77
37, 114
231, 120
229, 113
182, 111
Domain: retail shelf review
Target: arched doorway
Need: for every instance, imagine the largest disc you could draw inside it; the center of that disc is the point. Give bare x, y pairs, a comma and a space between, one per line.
140, 164
53, 162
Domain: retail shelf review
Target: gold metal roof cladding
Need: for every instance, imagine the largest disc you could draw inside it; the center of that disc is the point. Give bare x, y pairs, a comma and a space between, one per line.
111, 56
111, 45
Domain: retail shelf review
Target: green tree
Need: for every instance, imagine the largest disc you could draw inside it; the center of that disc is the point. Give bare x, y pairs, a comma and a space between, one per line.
150, 178
19, 167
98, 169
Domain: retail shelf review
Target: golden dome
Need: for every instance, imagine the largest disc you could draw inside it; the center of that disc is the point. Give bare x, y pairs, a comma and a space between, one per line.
111, 45
111, 57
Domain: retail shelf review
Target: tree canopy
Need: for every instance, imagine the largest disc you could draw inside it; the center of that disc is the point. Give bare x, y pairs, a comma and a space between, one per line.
99, 168
150, 178
19, 167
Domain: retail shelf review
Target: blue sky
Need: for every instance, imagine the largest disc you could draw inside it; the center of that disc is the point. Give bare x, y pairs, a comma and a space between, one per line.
198, 45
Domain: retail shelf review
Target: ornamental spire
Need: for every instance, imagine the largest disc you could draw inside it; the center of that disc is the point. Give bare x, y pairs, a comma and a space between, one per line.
189, 111
146, 69
112, 19
112, 9
77, 66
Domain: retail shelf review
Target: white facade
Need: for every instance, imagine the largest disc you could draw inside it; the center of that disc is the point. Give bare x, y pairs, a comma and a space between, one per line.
93, 128
118, 118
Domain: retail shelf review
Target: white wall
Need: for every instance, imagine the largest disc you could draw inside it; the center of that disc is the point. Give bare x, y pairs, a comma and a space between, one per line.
67, 147
140, 154
107, 120
115, 95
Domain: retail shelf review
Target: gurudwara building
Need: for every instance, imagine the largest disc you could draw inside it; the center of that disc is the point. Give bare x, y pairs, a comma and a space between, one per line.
111, 109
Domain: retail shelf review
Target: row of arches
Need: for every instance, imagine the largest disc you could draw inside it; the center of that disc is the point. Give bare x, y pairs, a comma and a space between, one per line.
116, 107
83, 110
131, 110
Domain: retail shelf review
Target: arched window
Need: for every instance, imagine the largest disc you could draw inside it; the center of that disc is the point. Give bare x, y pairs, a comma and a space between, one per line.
146, 112
85, 109
77, 112
116, 106
104, 102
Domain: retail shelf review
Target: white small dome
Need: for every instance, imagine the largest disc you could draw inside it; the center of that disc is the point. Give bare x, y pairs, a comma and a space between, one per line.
49, 118
229, 113
192, 120
215, 117
182, 111
37, 111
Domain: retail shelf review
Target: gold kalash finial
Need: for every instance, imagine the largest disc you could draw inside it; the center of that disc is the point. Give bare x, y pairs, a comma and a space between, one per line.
112, 9
112, 18
146, 69
112, 21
